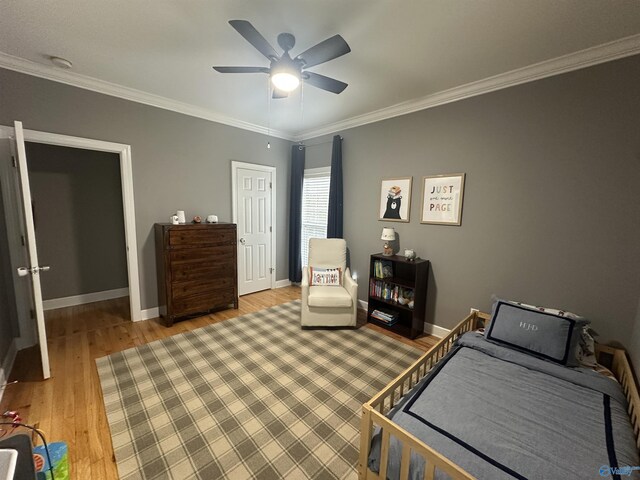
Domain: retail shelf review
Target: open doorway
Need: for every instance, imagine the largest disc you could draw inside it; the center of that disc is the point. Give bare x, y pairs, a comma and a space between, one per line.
25, 267
79, 225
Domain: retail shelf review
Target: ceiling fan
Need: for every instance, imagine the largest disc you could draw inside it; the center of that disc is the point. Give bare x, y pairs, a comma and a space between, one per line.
286, 72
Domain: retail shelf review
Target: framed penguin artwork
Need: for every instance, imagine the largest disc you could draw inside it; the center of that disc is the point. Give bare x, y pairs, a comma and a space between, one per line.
395, 199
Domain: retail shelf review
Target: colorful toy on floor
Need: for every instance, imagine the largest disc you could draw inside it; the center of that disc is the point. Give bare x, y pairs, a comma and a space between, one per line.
59, 458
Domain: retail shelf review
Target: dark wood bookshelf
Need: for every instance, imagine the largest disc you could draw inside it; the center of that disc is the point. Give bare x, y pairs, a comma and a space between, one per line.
406, 275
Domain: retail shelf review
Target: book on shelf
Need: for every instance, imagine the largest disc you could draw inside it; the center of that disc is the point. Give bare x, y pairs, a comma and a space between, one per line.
391, 293
387, 317
382, 269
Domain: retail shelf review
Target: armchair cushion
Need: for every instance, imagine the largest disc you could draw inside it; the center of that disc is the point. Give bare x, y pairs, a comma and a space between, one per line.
323, 296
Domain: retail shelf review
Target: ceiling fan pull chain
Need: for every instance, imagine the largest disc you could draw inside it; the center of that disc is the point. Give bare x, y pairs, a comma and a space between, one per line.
301, 104
268, 112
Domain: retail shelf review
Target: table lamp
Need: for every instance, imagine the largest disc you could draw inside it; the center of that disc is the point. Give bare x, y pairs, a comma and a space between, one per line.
388, 235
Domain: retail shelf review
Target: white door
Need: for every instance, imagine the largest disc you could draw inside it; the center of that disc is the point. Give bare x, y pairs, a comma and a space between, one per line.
14, 224
32, 270
253, 207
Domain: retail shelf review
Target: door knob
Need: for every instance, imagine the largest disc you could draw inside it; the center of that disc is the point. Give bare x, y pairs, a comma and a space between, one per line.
243, 241
24, 271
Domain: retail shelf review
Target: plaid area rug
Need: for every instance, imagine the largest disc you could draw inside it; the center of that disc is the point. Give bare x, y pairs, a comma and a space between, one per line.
251, 397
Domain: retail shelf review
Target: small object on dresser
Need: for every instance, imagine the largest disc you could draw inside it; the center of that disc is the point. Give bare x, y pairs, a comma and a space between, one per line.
212, 219
181, 216
174, 220
197, 219
410, 254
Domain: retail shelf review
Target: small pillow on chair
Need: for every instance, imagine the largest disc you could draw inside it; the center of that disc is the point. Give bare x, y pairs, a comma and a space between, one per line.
325, 276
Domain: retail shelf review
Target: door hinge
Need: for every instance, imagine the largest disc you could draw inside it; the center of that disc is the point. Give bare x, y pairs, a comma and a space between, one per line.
270, 185
270, 229
13, 162
32, 313
22, 240
271, 270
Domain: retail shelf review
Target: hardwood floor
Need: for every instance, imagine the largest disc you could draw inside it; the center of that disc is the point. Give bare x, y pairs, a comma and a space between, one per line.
69, 407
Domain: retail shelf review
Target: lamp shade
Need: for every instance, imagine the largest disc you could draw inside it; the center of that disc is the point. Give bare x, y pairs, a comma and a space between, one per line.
388, 234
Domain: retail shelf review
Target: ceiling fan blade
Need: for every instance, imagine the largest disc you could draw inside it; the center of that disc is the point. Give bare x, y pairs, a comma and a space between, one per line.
326, 83
252, 36
329, 49
279, 93
241, 69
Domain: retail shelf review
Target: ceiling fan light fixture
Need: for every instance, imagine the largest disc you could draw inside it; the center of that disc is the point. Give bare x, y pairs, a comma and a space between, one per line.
285, 73
285, 81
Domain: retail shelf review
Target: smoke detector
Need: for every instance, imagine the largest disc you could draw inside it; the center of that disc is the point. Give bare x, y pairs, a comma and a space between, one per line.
61, 62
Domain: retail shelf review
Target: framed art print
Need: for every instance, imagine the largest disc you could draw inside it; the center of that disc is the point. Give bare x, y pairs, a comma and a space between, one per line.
442, 199
395, 199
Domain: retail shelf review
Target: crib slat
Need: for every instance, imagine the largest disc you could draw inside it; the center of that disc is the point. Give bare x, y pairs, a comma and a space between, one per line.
384, 454
405, 461
429, 471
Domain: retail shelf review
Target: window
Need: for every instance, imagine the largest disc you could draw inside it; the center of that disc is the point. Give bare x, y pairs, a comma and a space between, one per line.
315, 207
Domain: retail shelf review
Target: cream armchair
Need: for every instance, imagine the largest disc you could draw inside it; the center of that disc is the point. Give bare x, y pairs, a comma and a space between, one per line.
324, 306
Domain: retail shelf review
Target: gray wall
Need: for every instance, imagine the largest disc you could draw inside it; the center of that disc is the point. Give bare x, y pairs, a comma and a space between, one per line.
634, 344
318, 154
551, 212
77, 204
179, 162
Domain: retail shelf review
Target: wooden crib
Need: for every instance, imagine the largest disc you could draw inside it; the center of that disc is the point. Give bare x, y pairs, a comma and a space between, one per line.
375, 410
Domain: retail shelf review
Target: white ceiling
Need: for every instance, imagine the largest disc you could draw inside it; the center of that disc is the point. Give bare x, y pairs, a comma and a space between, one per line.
402, 51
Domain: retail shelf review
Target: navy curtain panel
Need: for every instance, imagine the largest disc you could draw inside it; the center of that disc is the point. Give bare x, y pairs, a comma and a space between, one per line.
334, 222
295, 213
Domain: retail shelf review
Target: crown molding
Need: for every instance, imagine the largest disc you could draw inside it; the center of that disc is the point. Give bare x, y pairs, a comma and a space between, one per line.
606, 52
35, 69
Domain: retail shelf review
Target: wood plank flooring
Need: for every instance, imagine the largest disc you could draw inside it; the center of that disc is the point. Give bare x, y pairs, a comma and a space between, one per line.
69, 405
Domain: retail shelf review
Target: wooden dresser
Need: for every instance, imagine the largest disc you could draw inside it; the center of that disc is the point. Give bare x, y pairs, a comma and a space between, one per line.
197, 268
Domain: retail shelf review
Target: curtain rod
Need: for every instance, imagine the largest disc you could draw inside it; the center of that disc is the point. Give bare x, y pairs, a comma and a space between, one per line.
303, 145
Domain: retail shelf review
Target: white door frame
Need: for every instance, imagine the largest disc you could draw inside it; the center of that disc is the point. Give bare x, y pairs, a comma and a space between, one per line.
126, 176
235, 165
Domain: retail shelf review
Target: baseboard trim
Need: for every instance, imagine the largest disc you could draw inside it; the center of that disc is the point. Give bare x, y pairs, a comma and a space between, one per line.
7, 365
282, 283
435, 330
84, 298
23, 342
150, 313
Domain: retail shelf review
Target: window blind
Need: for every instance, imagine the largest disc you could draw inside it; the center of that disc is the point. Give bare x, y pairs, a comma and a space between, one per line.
315, 206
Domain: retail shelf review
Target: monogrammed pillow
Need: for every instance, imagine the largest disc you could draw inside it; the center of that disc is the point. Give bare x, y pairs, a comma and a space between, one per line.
325, 276
545, 333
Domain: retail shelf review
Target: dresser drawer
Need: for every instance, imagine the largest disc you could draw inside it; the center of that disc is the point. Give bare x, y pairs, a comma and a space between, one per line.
199, 236
206, 270
185, 256
202, 302
192, 288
